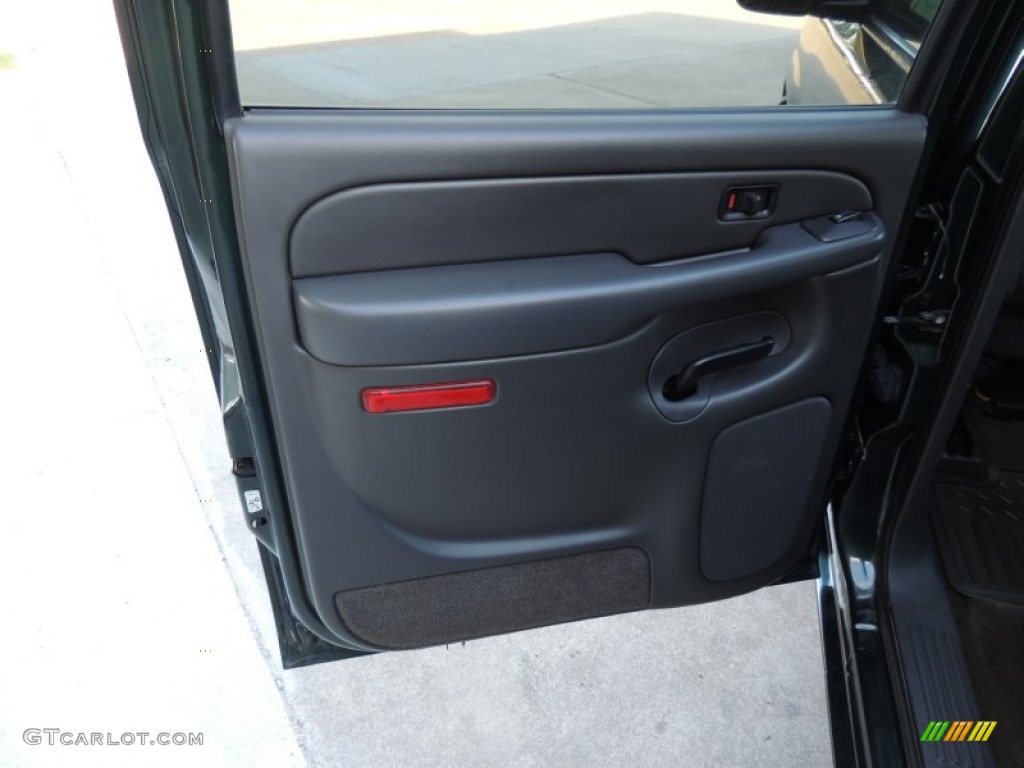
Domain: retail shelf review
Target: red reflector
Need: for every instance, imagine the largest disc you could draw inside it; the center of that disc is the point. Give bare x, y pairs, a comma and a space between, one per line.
421, 397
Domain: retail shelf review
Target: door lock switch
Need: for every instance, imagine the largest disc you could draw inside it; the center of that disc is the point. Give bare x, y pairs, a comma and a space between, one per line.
745, 203
845, 217
841, 226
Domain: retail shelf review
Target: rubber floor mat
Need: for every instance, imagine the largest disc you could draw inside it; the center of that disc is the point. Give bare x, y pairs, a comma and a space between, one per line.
981, 537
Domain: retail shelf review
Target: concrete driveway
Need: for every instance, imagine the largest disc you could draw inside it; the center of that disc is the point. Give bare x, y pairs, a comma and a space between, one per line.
536, 53
133, 597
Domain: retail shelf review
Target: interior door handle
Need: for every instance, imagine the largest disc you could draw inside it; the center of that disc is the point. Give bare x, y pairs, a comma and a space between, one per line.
684, 383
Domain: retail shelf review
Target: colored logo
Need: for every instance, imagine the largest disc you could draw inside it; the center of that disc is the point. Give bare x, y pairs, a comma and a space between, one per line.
958, 730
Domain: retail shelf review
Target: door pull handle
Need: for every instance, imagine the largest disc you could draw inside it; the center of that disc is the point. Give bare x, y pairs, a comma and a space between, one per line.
684, 383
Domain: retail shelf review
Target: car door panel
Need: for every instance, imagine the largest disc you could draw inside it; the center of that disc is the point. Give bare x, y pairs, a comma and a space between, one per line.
404, 248
645, 217
398, 317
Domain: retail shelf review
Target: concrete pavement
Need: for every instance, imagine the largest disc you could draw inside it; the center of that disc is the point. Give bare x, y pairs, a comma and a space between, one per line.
569, 54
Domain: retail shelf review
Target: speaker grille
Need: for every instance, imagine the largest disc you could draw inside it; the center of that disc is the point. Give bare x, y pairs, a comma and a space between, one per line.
491, 601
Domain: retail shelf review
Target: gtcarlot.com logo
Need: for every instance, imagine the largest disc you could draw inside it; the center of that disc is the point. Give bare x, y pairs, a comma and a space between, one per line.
57, 736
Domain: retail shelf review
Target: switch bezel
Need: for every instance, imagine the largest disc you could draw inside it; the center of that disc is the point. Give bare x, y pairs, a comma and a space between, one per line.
726, 213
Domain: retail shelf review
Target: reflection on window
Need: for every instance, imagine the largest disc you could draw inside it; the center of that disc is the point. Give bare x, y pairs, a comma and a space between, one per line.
548, 54
604, 54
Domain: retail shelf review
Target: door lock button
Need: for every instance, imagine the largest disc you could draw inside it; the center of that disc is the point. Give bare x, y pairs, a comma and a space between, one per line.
841, 226
743, 203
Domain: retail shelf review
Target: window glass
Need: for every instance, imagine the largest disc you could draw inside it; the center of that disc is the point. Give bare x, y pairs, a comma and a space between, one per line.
910, 17
924, 10
561, 54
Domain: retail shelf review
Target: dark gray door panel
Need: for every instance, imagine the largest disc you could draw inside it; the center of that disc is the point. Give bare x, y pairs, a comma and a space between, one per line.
461, 509
573, 456
405, 316
575, 441
752, 500
645, 218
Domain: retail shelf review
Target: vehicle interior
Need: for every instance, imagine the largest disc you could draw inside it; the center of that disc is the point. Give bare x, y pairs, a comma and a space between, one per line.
978, 523
957, 569
974, 530
955, 563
